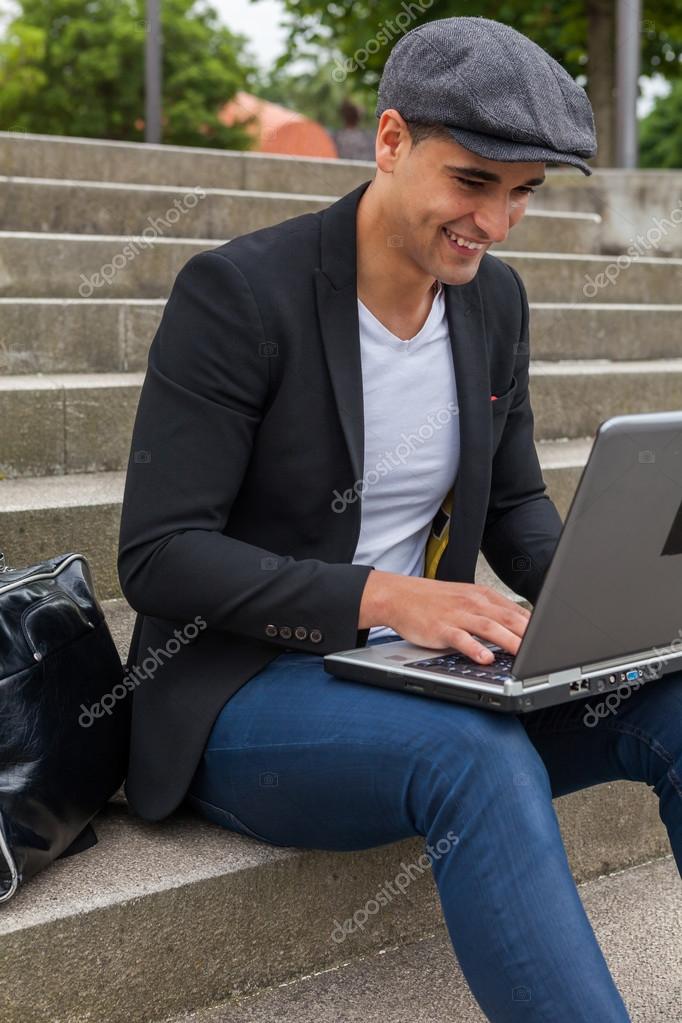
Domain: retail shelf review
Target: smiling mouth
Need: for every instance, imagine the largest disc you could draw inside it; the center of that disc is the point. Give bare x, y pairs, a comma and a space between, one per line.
462, 245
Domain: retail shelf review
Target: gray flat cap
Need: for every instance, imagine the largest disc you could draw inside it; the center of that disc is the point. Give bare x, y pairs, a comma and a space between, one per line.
501, 95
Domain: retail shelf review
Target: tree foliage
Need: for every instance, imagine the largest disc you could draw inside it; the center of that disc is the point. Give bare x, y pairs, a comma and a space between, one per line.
661, 132
351, 31
76, 67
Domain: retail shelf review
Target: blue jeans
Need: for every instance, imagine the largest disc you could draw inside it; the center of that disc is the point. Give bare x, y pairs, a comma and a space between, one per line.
358, 766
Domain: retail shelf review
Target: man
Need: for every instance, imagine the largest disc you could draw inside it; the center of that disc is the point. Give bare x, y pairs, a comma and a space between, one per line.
269, 510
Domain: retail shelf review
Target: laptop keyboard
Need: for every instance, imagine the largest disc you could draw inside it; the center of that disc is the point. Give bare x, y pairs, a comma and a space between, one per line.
459, 664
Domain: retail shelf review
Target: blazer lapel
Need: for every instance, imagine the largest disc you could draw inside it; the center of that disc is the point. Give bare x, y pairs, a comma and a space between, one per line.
336, 292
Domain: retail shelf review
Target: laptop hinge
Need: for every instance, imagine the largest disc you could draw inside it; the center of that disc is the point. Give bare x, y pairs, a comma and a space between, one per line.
566, 675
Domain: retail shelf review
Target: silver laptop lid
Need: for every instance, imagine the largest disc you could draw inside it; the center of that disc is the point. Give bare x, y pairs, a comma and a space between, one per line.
614, 586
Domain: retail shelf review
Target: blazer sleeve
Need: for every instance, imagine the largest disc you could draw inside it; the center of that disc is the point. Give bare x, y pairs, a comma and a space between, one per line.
202, 399
522, 525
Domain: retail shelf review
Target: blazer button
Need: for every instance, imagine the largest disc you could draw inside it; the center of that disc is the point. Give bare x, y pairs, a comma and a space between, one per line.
315, 636
300, 632
271, 630
285, 632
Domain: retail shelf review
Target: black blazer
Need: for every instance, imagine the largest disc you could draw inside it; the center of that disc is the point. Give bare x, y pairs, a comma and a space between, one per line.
249, 424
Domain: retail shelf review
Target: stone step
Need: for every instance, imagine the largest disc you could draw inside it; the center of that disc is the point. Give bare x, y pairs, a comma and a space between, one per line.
92, 207
639, 208
92, 266
53, 156
634, 913
568, 278
162, 918
635, 205
67, 422
96, 335
602, 330
44, 516
108, 266
81, 335
570, 399
78, 423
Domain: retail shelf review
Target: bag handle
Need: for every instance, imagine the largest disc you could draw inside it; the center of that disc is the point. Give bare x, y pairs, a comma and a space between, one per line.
6, 853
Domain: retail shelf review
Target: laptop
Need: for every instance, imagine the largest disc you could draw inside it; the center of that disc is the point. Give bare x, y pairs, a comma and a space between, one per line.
609, 612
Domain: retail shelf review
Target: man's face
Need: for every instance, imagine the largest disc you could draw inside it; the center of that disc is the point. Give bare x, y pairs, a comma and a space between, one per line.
445, 205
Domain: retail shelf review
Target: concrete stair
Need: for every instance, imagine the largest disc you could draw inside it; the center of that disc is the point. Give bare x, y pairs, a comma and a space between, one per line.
159, 919
183, 917
112, 335
113, 266
421, 981
81, 422
92, 207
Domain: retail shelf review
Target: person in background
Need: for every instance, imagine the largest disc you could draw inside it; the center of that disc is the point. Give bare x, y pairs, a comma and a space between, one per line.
352, 142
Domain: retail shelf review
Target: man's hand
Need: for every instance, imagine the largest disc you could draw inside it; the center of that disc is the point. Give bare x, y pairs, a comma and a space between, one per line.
437, 614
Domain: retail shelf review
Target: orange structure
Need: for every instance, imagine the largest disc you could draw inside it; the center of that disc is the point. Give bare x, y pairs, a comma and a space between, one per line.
278, 130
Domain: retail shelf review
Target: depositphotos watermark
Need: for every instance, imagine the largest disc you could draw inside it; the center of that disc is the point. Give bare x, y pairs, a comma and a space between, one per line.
107, 272
402, 881
107, 703
613, 700
410, 12
401, 452
638, 246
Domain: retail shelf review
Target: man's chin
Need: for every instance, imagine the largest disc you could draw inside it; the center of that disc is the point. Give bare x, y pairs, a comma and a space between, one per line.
459, 275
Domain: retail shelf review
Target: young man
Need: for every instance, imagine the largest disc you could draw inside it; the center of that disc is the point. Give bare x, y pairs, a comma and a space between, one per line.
269, 506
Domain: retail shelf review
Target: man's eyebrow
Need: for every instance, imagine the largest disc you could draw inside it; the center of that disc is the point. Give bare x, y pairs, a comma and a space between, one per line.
484, 175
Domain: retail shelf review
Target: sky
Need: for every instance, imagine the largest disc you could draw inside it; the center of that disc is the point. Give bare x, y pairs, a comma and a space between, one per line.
259, 22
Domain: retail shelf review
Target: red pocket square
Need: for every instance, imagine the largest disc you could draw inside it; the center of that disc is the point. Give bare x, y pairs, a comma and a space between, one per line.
493, 397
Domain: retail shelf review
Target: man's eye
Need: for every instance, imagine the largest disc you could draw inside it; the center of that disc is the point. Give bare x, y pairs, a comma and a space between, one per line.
470, 183
525, 189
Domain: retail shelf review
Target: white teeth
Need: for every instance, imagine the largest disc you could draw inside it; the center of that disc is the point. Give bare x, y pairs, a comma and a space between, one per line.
463, 241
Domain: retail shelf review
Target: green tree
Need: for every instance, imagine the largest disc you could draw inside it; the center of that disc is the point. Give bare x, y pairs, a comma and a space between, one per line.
357, 36
76, 67
660, 133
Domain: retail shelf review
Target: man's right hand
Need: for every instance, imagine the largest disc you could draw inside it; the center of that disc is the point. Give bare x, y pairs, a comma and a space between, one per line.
437, 614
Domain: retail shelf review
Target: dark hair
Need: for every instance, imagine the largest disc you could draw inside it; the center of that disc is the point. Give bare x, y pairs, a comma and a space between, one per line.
350, 112
421, 130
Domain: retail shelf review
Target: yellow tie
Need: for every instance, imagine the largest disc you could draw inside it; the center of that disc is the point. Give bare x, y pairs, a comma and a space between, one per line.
438, 537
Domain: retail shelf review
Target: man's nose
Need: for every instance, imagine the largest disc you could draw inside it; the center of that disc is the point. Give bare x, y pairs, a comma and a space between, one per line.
492, 218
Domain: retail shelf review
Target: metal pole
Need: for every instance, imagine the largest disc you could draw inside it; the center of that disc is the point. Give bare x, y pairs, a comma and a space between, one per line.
152, 73
628, 29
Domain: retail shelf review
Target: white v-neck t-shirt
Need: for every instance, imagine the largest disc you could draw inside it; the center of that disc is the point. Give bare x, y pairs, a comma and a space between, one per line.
411, 440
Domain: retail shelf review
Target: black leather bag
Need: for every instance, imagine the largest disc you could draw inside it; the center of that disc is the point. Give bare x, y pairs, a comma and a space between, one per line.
60, 759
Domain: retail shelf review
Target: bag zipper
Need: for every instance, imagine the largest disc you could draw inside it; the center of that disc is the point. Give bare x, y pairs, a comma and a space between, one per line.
38, 575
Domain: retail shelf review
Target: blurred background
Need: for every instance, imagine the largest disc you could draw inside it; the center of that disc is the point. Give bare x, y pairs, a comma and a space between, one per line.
300, 76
